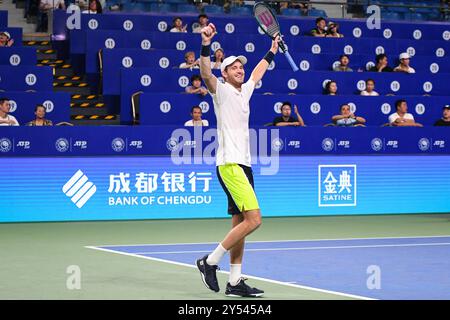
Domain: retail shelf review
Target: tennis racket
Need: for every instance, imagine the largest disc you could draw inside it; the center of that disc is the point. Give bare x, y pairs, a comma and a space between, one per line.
269, 24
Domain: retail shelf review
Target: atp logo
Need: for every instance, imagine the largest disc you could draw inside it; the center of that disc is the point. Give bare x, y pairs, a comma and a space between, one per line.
79, 189
337, 185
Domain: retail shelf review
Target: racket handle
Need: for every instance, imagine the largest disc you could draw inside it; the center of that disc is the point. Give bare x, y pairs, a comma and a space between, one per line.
288, 56
291, 61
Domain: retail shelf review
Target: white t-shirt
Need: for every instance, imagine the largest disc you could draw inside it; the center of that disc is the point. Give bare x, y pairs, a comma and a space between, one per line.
395, 116
232, 110
53, 3
191, 123
373, 93
177, 30
213, 64
184, 65
410, 70
9, 117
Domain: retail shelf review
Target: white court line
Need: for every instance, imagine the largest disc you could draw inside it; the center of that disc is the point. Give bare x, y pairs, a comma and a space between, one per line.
265, 241
247, 276
311, 248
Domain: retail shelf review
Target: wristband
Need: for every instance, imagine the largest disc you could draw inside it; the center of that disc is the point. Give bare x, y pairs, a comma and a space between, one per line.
206, 51
269, 57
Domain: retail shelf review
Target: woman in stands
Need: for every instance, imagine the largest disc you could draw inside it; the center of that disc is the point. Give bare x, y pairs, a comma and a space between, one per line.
95, 7
219, 55
331, 88
370, 89
347, 119
5, 39
177, 25
40, 120
333, 31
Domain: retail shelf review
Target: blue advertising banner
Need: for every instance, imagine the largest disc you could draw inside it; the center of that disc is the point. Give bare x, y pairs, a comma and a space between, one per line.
114, 188
185, 142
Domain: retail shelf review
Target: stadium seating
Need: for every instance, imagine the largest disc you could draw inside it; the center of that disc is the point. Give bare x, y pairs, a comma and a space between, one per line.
25, 78
161, 109
18, 56
23, 105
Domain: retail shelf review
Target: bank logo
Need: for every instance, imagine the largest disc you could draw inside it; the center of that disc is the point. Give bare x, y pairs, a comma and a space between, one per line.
79, 189
424, 144
376, 144
5, 145
172, 144
277, 144
337, 185
327, 144
118, 144
62, 145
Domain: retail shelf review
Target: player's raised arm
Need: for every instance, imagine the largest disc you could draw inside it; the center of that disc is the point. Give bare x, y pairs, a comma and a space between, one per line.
208, 33
262, 66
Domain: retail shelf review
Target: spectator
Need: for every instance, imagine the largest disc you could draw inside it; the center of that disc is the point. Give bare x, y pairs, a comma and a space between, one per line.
5, 39
177, 25
219, 55
333, 30
40, 120
404, 64
346, 118
286, 119
189, 61
46, 6
196, 86
370, 89
402, 118
95, 7
203, 21
302, 6
5, 118
196, 114
331, 88
381, 64
445, 120
320, 29
344, 60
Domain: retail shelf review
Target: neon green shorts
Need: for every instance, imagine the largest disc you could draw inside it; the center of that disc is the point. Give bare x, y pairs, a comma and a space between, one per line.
237, 182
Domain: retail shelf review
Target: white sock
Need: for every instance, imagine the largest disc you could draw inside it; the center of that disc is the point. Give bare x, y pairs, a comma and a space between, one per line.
235, 273
214, 258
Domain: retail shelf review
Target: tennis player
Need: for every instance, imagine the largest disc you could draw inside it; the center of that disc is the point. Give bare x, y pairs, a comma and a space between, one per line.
231, 106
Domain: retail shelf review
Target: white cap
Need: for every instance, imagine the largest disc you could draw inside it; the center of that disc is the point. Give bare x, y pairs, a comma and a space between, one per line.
404, 55
6, 34
230, 60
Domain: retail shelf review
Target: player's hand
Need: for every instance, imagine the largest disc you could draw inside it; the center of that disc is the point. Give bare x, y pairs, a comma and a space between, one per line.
295, 109
275, 41
208, 33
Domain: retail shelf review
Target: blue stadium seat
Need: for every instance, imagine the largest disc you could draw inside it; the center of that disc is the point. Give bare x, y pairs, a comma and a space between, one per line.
317, 13
391, 16
187, 8
212, 9
176, 1
164, 7
415, 17
135, 7
291, 12
242, 11
398, 9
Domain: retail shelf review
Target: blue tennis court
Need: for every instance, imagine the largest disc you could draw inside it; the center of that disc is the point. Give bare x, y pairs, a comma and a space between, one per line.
372, 268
